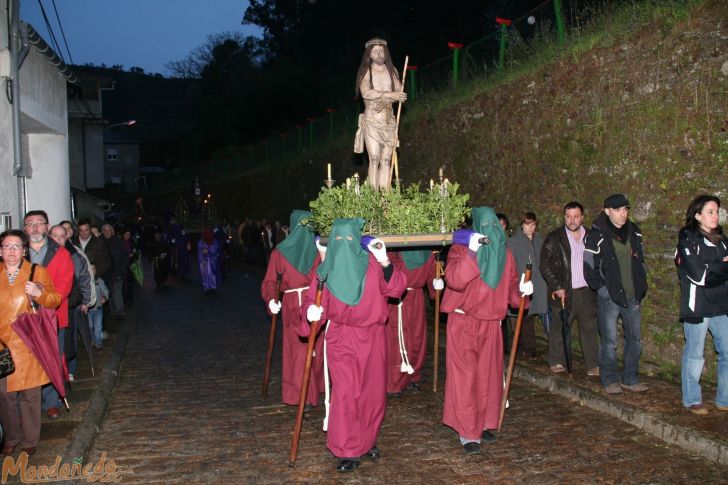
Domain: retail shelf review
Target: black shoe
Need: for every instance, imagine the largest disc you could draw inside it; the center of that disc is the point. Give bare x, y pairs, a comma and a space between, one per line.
472, 448
373, 453
413, 387
487, 436
347, 465
394, 394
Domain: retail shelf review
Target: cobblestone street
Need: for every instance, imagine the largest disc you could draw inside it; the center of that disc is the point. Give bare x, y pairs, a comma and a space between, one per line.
187, 408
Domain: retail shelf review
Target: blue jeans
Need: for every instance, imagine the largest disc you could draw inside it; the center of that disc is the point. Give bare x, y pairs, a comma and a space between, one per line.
692, 359
96, 322
49, 395
607, 314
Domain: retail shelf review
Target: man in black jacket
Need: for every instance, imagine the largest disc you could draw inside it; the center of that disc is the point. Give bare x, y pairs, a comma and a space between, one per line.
614, 266
562, 267
95, 249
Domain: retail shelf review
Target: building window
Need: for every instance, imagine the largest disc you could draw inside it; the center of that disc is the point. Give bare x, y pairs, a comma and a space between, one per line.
112, 154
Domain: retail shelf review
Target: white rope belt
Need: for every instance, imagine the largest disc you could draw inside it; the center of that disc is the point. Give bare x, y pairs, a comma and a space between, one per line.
327, 391
299, 291
457, 310
405, 364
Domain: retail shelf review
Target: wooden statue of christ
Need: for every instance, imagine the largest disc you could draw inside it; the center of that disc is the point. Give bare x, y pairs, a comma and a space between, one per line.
379, 85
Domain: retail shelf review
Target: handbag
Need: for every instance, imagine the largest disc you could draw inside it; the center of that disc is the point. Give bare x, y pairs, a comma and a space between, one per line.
7, 366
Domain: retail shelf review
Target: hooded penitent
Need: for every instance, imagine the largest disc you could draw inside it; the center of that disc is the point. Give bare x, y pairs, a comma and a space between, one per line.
208, 236
346, 261
413, 259
491, 256
299, 248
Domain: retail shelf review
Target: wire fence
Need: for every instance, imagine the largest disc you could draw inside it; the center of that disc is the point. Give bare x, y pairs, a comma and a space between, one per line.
465, 63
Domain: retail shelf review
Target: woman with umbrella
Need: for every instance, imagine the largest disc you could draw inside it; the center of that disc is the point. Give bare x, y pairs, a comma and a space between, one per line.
20, 391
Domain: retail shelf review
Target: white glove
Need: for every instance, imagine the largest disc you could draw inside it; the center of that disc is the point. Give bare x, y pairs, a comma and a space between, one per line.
313, 314
274, 307
320, 247
525, 287
438, 284
381, 253
474, 243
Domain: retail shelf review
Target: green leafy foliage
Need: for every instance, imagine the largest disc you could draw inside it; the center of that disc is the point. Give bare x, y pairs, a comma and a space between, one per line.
407, 211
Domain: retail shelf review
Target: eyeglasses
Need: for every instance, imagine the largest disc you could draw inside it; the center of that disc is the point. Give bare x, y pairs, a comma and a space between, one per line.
31, 225
12, 247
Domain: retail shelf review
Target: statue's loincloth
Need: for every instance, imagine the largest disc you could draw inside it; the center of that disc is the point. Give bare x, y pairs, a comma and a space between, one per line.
381, 132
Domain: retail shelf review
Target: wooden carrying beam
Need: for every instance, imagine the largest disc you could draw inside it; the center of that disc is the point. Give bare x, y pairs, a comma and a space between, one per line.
412, 240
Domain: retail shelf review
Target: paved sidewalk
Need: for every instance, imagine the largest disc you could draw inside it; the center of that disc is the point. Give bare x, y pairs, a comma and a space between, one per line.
658, 411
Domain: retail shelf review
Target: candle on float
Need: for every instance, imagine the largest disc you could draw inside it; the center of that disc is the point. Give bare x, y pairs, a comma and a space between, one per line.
348, 183
440, 172
432, 184
328, 171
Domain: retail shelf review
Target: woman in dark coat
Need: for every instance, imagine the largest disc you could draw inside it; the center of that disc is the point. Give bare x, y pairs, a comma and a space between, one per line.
702, 262
526, 247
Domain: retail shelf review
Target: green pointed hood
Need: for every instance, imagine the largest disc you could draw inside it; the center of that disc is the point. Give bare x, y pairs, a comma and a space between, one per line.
413, 259
299, 248
492, 256
346, 262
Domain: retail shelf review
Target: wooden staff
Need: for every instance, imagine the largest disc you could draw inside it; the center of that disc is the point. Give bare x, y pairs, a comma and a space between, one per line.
306, 376
514, 349
272, 335
395, 165
438, 274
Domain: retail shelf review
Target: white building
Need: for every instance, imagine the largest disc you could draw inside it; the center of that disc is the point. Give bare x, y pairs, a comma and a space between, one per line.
40, 180
86, 127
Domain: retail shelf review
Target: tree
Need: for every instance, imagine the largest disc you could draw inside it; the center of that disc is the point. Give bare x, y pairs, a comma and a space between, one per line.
193, 65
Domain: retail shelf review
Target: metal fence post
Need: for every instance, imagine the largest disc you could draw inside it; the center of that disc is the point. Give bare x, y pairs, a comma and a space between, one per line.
310, 132
455, 47
559, 20
331, 112
412, 91
504, 23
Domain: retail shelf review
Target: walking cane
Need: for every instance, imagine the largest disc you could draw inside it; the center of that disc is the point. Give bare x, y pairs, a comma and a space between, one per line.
272, 336
438, 271
514, 349
306, 376
395, 165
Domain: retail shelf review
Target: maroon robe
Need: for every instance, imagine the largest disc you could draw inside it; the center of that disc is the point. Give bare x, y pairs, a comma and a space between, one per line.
294, 347
414, 324
474, 352
356, 350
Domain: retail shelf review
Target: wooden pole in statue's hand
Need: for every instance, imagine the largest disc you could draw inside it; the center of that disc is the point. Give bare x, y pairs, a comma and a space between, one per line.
438, 271
514, 349
395, 165
306, 376
272, 335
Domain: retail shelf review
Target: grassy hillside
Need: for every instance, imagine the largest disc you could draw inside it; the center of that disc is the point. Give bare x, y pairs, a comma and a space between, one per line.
637, 104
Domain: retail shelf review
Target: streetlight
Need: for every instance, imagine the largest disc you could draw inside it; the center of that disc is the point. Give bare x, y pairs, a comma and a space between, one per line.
123, 123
